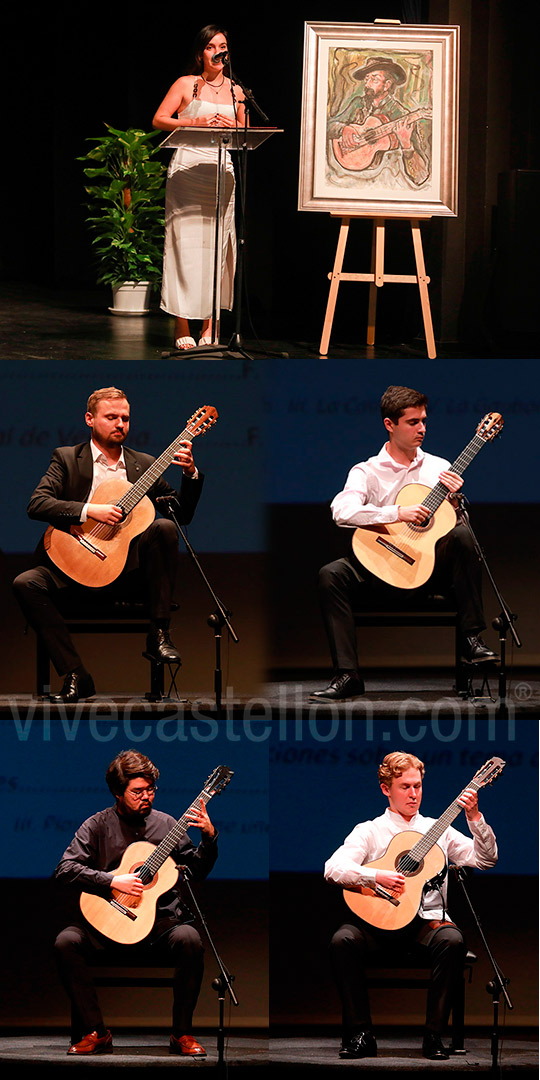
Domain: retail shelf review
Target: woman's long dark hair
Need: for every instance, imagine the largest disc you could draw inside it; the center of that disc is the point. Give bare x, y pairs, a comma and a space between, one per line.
205, 35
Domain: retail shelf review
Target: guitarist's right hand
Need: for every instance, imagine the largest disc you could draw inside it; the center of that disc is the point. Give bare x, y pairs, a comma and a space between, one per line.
415, 514
390, 879
108, 513
128, 883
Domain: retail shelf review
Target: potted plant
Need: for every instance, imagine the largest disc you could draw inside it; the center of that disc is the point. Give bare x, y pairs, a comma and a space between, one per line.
125, 194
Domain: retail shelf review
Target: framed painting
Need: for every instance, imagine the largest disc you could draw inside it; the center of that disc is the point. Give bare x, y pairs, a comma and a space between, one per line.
379, 119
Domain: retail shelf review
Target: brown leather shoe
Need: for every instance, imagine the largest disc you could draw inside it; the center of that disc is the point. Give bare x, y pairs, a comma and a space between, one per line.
93, 1044
186, 1044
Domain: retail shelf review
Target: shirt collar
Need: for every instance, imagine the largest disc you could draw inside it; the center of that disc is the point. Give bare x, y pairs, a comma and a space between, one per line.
98, 455
384, 458
397, 819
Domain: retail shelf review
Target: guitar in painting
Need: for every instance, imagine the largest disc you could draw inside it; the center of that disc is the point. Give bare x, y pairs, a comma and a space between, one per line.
419, 858
403, 554
129, 919
94, 554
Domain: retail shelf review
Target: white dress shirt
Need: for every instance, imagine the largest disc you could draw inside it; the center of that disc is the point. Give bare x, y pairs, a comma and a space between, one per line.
369, 841
103, 471
372, 486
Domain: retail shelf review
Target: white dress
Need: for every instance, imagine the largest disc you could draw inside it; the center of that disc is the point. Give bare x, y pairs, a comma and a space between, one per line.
190, 226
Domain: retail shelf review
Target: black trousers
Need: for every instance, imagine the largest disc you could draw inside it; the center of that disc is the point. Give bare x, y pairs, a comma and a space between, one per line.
180, 947
355, 944
150, 568
343, 585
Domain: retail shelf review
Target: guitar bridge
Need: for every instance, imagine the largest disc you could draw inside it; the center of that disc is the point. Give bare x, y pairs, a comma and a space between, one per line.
90, 547
123, 910
395, 550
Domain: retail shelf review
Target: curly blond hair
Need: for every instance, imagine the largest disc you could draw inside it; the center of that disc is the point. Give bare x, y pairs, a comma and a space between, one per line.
397, 763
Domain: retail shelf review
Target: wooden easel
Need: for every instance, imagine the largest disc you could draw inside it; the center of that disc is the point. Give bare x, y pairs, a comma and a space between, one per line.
377, 277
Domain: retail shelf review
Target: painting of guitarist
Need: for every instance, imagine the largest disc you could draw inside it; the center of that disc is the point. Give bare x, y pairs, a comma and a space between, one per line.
371, 861
379, 122
397, 504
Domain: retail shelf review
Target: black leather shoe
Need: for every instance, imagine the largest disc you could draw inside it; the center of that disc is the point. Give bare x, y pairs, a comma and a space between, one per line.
75, 688
160, 646
432, 1047
359, 1046
343, 686
475, 651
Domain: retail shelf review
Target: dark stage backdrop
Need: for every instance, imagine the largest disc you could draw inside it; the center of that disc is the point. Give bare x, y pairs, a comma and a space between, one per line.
324, 774
54, 778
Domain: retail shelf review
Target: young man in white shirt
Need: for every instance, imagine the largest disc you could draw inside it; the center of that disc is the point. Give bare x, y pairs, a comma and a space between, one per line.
431, 931
369, 498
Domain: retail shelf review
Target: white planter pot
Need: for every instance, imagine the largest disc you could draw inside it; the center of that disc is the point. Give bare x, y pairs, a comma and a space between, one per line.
131, 298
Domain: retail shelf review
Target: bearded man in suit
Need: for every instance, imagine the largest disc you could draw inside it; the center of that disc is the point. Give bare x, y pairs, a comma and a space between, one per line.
63, 498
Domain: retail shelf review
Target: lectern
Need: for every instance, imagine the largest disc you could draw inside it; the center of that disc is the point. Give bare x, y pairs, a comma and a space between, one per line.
239, 139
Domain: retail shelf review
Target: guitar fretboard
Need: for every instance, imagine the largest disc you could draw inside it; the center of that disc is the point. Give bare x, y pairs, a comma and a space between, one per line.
149, 869
421, 848
436, 496
144, 483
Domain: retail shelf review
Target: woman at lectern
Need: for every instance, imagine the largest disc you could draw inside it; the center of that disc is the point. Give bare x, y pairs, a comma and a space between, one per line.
205, 97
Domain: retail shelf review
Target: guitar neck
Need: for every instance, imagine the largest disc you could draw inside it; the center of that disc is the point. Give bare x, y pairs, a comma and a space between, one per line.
421, 848
145, 482
438, 493
150, 868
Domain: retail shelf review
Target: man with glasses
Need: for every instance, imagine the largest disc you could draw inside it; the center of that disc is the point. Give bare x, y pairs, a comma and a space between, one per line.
89, 863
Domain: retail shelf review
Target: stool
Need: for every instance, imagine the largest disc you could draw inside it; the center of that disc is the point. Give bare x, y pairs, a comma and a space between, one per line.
109, 970
433, 610
384, 977
122, 618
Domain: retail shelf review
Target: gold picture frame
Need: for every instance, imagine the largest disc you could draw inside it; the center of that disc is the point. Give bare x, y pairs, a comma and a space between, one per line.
379, 131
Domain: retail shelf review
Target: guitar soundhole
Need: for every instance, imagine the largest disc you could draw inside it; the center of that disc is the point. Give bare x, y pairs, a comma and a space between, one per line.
408, 866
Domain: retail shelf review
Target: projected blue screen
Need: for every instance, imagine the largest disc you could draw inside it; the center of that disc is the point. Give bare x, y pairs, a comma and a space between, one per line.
326, 768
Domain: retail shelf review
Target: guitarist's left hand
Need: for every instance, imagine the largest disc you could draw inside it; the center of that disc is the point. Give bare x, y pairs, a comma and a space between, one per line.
184, 457
200, 819
451, 480
469, 801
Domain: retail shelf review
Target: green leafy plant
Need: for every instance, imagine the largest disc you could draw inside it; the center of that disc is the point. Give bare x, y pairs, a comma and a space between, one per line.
125, 197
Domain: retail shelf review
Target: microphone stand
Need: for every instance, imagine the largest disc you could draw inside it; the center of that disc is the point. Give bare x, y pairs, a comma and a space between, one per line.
222, 983
220, 617
497, 986
505, 620
236, 341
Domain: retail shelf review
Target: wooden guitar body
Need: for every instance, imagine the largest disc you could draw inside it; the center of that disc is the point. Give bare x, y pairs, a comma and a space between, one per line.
104, 559
403, 554
383, 913
134, 917
362, 157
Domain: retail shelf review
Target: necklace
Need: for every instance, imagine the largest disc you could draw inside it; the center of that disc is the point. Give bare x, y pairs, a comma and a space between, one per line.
211, 86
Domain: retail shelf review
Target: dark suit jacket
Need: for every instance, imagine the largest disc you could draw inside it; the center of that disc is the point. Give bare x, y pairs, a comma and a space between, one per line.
61, 494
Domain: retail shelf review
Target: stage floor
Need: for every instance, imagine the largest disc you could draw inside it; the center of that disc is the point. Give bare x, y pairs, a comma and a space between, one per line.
131, 1050
390, 694
400, 1053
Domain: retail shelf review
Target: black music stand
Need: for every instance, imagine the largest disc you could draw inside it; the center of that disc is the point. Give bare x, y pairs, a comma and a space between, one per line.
232, 139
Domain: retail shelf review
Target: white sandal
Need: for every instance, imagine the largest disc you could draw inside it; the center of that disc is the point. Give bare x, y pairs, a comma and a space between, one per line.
206, 339
185, 343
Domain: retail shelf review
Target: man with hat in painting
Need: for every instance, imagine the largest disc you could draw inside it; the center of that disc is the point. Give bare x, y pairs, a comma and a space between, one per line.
360, 146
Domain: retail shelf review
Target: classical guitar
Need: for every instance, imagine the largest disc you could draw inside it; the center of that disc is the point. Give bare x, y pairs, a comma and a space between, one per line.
403, 554
128, 919
94, 553
419, 858
375, 135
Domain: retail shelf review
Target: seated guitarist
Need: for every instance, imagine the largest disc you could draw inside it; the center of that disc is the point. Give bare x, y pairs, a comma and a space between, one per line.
369, 498
88, 865
62, 498
431, 932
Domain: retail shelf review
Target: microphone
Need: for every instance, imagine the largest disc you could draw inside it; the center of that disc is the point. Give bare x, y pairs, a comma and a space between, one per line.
218, 58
